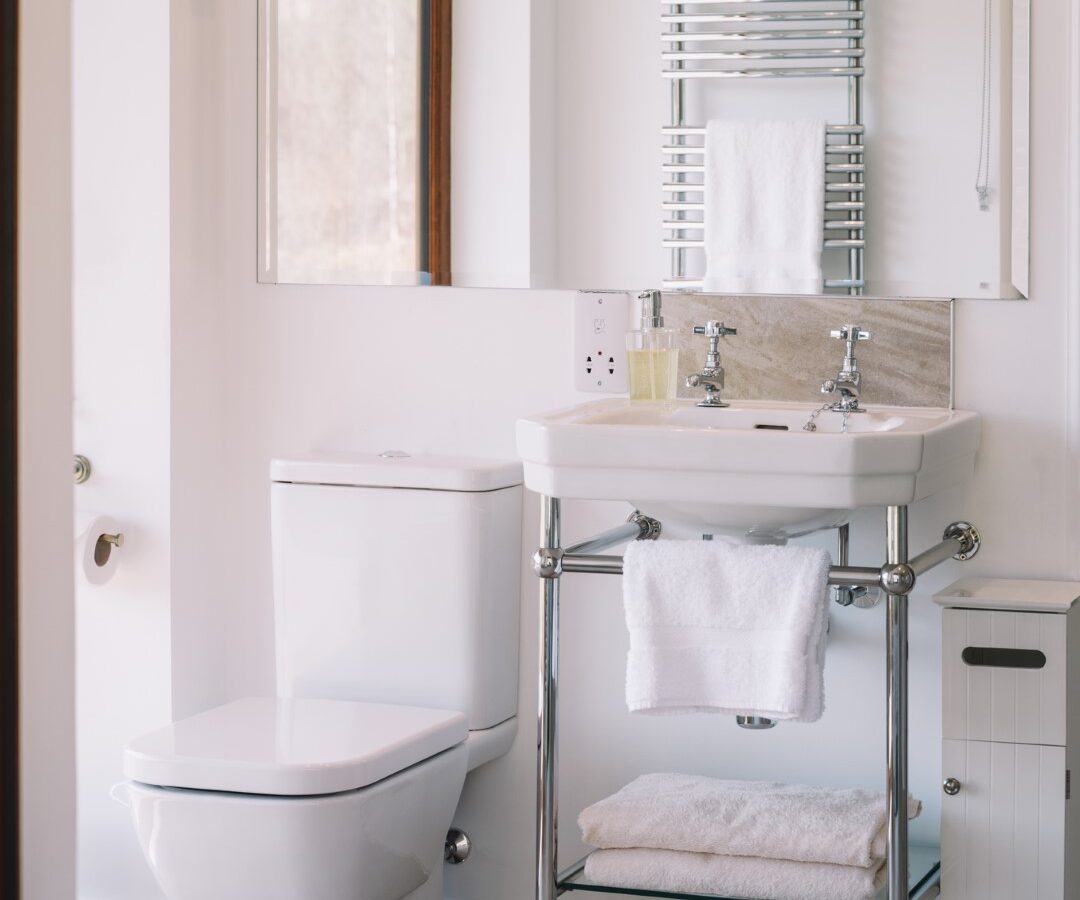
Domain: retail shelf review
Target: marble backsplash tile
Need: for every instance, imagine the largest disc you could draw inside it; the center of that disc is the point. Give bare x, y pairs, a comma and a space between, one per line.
783, 350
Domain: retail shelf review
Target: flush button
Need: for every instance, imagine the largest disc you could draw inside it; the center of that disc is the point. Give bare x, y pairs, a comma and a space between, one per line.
395, 454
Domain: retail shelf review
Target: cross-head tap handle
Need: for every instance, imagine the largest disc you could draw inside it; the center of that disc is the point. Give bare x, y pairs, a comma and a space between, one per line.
852, 334
714, 329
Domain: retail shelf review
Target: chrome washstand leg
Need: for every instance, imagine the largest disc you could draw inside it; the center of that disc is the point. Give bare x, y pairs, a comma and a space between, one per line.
549, 569
896, 522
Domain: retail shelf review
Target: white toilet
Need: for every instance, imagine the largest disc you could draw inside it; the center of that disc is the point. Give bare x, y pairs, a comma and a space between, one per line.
396, 590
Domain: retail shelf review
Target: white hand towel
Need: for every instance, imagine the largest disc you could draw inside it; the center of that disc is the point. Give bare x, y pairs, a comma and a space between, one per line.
718, 627
844, 827
732, 876
764, 206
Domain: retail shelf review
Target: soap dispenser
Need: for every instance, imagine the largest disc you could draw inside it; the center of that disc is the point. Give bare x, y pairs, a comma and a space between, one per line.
651, 355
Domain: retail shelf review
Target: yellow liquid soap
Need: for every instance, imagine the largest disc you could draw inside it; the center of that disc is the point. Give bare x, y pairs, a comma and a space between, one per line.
653, 374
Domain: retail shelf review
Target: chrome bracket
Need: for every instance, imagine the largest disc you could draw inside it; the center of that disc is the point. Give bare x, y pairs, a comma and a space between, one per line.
547, 562
968, 536
458, 846
650, 527
897, 579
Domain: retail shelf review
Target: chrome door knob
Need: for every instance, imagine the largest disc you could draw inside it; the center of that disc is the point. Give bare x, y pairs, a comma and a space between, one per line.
951, 787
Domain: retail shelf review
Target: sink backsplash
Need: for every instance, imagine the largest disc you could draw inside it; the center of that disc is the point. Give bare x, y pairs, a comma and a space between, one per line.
783, 350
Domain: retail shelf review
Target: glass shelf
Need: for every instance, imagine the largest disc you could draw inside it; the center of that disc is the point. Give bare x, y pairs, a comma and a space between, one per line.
924, 864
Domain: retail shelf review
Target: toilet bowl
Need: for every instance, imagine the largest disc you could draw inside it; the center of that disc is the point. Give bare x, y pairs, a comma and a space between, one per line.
396, 595
297, 799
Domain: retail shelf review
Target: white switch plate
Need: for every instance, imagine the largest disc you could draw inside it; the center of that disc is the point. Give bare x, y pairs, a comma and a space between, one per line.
601, 320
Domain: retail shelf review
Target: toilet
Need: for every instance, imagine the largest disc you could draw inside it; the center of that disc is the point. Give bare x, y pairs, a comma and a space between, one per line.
396, 601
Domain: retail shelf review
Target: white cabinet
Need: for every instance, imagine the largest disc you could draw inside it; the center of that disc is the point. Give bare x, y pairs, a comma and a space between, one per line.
1002, 835
1011, 724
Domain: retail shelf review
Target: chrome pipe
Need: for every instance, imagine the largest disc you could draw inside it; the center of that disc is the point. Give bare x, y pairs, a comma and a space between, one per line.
678, 119
822, 15
699, 149
896, 526
592, 564
547, 812
589, 563
801, 53
699, 130
793, 72
699, 168
636, 528
856, 255
936, 555
691, 243
807, 34
731, 2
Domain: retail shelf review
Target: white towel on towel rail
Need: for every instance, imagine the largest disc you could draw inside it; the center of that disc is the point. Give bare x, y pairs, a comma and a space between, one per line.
764, 206
803, 823
718, 627
732, 876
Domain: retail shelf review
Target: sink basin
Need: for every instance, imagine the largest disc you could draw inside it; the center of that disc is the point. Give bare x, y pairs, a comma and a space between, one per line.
748, 469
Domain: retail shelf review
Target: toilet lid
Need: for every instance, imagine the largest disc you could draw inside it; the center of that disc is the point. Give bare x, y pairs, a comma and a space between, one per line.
262, 745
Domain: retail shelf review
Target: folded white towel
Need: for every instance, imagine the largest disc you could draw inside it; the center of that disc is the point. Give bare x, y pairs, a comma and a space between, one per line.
764, 206
718, 627
845, 827
732, 876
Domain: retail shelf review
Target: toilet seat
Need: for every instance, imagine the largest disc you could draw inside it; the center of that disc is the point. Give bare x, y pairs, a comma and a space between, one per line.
291, 747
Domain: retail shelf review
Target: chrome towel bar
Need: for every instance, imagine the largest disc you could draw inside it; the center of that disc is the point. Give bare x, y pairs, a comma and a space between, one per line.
701, 42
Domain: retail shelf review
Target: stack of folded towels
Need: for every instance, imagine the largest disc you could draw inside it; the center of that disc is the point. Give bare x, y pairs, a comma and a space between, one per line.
754, 839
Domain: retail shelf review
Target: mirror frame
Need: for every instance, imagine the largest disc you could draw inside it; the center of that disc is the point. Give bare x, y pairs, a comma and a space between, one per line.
438, 212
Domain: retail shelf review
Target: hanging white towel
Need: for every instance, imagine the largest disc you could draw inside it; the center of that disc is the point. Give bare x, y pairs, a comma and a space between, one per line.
718, 627
802, 823
764, 206
732, 876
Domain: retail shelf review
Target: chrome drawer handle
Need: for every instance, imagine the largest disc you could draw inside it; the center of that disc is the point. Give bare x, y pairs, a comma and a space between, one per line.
951, 787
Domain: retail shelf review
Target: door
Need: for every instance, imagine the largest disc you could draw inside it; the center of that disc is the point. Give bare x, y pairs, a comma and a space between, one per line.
1003, 829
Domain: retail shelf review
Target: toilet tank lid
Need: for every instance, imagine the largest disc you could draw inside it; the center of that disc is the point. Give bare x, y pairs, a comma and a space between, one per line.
297, 747
398, 469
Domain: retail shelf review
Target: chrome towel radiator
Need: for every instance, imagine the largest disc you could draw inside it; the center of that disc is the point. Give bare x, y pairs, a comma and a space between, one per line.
705, 40
896, 577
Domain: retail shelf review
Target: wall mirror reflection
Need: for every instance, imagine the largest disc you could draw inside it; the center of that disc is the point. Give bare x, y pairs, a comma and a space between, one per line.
735, 146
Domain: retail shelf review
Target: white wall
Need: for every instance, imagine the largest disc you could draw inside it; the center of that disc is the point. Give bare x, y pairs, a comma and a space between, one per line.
121, 343
285, 369
46, 627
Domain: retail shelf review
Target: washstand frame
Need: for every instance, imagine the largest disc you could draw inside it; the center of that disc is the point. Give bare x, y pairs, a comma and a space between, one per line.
896, 578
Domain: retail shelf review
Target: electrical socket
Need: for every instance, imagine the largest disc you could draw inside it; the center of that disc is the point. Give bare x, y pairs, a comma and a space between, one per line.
601, 320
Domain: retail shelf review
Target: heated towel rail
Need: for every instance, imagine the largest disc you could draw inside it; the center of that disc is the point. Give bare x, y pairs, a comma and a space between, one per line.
896, 578
705, 40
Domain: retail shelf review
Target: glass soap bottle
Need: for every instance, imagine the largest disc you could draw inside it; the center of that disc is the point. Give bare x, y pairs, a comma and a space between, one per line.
651, 355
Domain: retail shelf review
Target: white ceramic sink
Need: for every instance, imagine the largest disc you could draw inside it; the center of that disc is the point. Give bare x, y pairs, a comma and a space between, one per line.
749, 468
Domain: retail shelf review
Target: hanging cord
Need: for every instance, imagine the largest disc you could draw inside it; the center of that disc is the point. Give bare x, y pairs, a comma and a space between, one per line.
982, 175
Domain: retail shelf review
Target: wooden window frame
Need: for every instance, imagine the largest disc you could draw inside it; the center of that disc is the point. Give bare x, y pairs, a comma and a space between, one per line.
435, 169
10, 856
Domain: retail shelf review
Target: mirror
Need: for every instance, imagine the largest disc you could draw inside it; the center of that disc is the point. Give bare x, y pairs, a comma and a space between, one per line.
525, 144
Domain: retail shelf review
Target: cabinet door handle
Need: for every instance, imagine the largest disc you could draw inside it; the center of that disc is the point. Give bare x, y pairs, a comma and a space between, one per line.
951, 787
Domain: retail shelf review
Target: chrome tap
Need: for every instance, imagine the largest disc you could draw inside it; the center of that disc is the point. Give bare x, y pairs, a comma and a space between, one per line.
848, 380
711, 376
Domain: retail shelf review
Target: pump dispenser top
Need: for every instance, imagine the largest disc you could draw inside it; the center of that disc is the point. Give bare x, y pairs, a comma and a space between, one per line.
651, 310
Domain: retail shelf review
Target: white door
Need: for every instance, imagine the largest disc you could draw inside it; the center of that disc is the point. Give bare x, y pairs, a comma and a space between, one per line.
1003, 831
